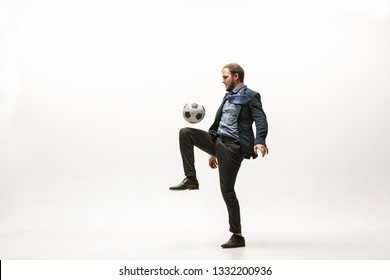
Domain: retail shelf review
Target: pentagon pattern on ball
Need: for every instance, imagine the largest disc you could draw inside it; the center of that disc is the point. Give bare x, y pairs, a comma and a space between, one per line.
194, 112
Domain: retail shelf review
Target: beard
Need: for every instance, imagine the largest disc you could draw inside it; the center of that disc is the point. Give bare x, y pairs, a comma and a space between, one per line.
230, 86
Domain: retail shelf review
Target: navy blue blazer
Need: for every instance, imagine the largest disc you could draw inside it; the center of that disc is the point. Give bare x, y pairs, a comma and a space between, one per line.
250, 110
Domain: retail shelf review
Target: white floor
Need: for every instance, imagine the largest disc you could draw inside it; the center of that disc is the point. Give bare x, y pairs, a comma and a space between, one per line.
195, 245
100, 220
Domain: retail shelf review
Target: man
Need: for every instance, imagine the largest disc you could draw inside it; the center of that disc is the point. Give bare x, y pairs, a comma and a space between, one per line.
230, 139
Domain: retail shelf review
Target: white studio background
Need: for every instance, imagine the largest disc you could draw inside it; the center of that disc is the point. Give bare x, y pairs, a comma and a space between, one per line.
91, 97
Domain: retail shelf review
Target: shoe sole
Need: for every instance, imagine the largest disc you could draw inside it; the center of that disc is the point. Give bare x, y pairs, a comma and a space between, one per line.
239, 246
190, 189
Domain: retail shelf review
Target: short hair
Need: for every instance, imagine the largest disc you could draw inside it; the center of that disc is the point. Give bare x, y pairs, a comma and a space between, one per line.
236, 68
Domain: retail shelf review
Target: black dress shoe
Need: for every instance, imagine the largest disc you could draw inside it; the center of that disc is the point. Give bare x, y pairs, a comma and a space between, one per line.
186, 184
234, 242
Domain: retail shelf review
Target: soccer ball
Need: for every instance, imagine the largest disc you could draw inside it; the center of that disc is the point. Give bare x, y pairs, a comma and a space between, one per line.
194, 112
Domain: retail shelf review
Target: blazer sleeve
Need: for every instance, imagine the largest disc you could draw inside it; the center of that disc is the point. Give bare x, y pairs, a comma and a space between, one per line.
259, 118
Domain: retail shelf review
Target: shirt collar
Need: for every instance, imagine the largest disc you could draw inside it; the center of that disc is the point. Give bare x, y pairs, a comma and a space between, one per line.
237, 89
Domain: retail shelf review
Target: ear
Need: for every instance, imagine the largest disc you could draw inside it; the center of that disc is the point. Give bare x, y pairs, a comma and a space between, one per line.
236, 77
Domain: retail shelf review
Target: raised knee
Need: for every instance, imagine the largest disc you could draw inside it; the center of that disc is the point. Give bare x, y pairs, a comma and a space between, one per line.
184, 131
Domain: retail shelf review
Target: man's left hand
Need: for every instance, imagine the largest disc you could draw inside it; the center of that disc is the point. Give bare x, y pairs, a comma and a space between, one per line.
263, 149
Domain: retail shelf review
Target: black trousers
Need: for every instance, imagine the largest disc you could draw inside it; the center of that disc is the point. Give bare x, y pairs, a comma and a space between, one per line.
229, 162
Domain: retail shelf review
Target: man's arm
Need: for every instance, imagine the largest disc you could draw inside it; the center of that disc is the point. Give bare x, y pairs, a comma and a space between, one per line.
260, 121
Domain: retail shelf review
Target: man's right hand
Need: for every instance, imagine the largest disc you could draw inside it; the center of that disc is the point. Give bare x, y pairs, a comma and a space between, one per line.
213, 162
